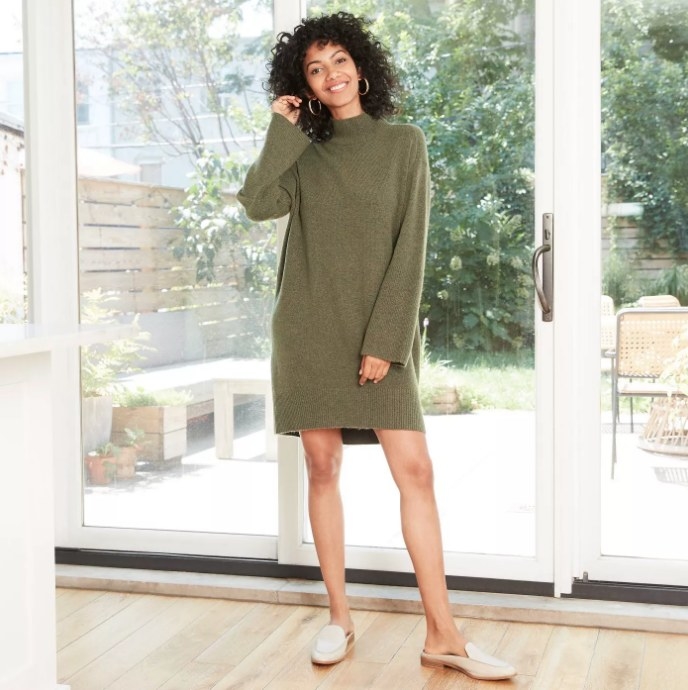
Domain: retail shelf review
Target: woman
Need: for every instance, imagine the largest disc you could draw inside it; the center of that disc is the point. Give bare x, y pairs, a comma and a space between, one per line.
346, 340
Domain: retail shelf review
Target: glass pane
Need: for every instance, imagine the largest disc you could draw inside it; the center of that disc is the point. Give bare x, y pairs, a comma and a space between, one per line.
468, 72
13, 298
170, 111
645, 251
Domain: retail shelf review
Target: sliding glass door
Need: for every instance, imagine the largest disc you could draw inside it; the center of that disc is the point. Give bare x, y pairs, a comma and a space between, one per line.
643, 467
517, 386
178, 452
486, 375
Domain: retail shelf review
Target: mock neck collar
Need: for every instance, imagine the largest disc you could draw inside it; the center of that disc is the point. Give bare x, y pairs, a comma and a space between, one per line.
352, 125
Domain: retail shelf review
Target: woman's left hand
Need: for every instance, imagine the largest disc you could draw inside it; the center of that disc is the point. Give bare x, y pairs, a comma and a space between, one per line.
372, 369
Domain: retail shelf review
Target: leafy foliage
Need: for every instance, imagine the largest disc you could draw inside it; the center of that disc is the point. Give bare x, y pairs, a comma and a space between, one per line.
102, 364
140, 397
185, 71
468, 76
217, 231
644, 101
12, 309
673, 281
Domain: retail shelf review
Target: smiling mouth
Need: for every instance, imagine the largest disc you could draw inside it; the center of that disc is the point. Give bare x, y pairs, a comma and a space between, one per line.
337, 87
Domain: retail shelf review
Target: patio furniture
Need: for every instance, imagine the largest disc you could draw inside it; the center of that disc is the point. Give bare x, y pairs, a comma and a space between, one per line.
657, 301
646, 340
224, 391
607, 332
666, 430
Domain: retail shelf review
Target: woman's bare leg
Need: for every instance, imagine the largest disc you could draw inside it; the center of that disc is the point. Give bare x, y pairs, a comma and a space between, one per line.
409, 460
323, 450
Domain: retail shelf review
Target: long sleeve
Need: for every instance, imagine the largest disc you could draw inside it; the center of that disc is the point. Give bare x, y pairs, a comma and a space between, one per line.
270, 185
394, 321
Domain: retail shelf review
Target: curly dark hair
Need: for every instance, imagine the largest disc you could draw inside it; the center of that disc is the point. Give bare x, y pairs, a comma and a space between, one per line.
287, 73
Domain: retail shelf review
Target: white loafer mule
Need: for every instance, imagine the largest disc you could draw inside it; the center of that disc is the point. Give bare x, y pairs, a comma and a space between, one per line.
331, 645
477, 664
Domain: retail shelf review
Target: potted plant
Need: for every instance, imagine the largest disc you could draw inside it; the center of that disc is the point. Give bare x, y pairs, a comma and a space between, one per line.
160, 415
129, 453
100, 366
666, 429
101, 464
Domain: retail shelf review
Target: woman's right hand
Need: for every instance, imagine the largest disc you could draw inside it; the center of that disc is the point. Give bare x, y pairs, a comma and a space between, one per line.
287, 106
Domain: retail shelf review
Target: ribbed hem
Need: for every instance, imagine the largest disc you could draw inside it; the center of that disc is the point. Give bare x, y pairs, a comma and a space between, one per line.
371, 408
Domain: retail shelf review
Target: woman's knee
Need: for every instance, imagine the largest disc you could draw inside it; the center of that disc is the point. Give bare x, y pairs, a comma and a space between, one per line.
416, 472
323, 453
408, 458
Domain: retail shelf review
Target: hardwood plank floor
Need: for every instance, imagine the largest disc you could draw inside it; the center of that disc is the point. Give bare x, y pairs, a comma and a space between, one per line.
148, 642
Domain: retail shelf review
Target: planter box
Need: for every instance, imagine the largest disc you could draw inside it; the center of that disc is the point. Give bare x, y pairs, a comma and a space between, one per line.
445, 400
164, 442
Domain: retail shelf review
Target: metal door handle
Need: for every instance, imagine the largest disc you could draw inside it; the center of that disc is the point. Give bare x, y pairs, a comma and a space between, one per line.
544, 285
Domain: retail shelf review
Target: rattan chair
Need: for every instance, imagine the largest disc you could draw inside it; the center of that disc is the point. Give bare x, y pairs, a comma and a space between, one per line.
608, 324
657, 301
646, 341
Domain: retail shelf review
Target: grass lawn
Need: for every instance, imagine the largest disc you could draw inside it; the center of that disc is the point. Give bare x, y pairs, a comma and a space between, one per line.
506, 381
503, 381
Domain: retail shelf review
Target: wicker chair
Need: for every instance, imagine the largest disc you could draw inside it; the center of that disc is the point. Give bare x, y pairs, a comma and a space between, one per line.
657, 301
608, 325
646, 340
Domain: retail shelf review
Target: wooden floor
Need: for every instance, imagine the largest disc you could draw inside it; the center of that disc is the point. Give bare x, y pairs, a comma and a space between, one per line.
141, 642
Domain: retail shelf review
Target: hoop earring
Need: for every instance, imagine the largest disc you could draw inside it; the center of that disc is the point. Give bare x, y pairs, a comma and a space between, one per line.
310, 107
367, 87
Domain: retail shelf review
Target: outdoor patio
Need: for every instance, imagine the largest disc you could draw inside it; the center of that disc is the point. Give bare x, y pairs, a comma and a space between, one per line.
484, 465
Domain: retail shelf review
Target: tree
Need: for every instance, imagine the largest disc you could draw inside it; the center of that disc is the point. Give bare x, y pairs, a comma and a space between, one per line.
644, 105
183, 70
188, 77
477, 112
468, 77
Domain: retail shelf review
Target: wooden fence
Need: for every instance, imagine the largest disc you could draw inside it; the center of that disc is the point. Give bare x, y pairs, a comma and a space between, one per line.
645, 265
126, 235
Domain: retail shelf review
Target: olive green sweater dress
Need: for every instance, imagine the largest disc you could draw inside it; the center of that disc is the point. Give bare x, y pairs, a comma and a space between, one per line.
350, 273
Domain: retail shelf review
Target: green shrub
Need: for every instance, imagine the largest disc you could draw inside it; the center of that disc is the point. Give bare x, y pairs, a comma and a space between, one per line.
140, 397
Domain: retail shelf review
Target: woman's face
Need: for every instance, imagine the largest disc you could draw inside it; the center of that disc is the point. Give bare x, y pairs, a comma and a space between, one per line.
332, 78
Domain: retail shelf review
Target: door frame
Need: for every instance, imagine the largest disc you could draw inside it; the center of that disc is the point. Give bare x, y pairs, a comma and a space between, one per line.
581, 116
52, 228
577, 202
568, 167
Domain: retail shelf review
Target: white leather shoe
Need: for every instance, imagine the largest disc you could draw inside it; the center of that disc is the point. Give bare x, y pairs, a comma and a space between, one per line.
331, 645
477, 664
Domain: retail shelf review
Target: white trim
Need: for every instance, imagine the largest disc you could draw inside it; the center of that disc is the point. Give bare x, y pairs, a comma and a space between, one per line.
174, 542
52, 224
577, 263
544, 332
291, 499
51, 162
638, 570
287, 14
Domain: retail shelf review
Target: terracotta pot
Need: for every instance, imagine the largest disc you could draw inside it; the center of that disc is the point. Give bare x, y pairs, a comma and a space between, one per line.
126, 462
100, 468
